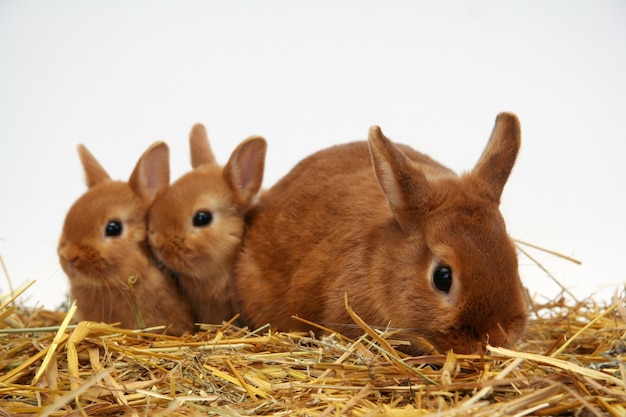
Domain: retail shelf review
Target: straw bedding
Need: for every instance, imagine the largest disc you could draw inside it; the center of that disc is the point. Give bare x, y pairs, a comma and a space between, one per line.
569, 363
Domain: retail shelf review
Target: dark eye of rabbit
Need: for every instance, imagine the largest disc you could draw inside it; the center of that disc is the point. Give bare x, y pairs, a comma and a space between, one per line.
442, 278
202, 218
113, 228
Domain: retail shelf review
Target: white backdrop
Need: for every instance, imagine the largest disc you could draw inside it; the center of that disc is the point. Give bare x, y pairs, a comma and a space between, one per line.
118, 75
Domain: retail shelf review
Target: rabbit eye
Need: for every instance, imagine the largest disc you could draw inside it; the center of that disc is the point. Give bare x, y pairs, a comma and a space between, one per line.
202, 218
113, 228
442, 278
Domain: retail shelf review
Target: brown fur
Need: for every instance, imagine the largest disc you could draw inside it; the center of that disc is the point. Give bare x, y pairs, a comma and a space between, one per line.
335, 225
203, 256
99, 266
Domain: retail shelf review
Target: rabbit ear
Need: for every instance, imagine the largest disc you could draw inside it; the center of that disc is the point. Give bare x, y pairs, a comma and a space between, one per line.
201, 152
403, 183
94, 173
152, 172
244, 170
497, 160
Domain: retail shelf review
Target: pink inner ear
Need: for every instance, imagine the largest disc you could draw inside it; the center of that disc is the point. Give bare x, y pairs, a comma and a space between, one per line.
390, 167
390, 186
405, 186
246, 166
154, 172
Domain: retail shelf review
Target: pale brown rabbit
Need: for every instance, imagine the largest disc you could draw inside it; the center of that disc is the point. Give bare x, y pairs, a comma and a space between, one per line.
414, 246
104, 243
196, 225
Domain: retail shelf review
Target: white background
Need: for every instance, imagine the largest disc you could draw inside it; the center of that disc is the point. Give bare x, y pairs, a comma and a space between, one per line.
118, 75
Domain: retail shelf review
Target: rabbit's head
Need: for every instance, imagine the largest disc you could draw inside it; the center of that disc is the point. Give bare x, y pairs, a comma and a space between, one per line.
464, 287
196, 224
103, 241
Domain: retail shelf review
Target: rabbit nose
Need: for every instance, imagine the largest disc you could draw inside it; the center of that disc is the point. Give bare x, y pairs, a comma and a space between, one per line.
69, 254
497, 336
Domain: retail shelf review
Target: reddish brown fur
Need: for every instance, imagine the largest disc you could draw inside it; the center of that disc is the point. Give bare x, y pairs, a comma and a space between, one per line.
203, 256
335, 226
99, 267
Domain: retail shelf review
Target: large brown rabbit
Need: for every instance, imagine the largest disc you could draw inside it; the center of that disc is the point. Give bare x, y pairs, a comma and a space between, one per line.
414, 246
104, 243
196, 225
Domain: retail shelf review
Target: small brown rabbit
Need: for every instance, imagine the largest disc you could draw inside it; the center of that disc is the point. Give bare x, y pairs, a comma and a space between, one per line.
104, 243
414, 246
196, 225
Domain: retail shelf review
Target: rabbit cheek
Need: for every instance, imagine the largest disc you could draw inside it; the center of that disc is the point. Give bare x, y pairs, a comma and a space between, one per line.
212, 248
495, 325
171, 250
123, 261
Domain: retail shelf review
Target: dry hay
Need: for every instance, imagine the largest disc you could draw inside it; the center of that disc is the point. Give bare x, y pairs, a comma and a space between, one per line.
569, 363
